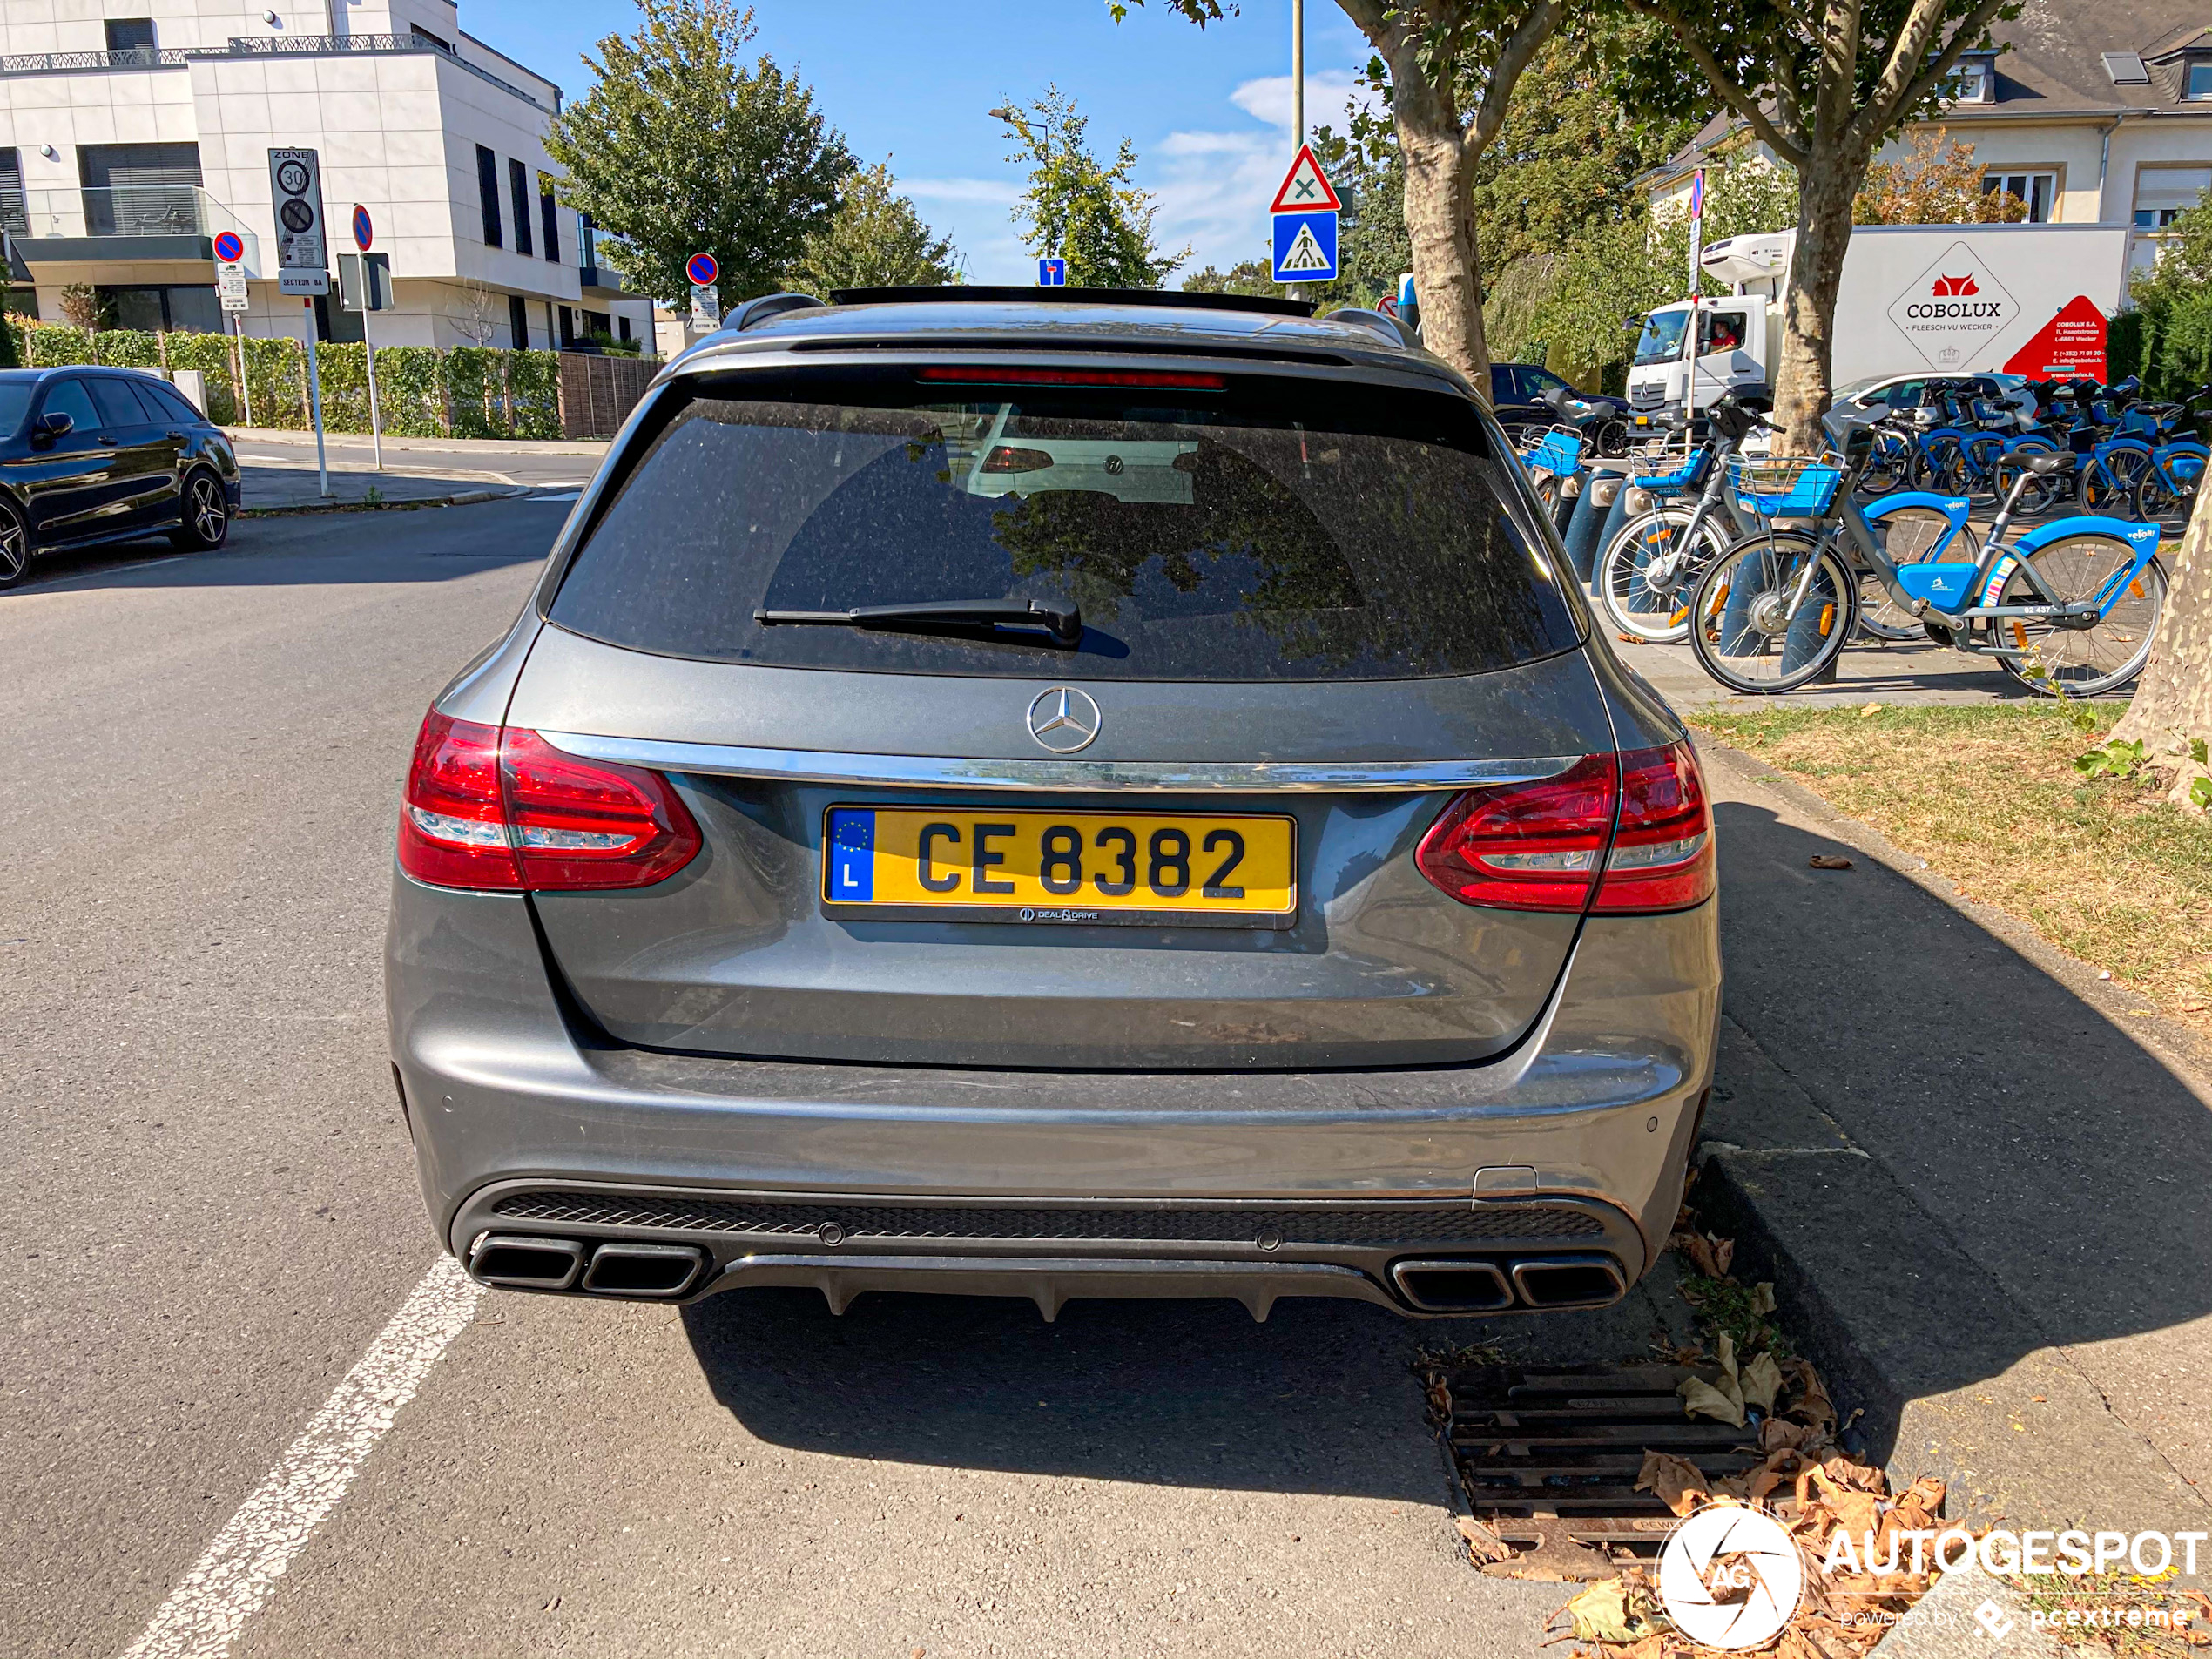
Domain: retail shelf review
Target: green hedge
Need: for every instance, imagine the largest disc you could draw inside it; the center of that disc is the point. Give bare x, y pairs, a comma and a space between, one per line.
534, 393
211, 355
50, 345
410, 391
127, 348
341, 375
473, 392
276, 381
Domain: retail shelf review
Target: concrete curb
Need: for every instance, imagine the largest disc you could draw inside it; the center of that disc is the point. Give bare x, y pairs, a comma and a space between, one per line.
439, 446
464, 499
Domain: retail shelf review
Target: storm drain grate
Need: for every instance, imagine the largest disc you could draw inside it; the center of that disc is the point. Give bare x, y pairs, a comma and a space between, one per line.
1230, 1223
1549, 1457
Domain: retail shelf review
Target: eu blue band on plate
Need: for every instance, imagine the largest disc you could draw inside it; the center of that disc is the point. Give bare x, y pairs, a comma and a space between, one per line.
852, 853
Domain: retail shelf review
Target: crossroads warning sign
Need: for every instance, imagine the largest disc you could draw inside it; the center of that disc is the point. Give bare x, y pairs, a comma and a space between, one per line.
1304, 188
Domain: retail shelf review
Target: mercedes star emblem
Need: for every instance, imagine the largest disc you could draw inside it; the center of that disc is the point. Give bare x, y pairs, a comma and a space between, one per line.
1063, 719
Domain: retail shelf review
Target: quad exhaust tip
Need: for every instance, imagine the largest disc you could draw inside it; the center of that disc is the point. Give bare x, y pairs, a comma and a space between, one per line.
519, 1262
1449, 1285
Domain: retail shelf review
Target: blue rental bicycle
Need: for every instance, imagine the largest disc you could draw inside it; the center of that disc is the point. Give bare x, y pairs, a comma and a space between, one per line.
2069, 608
2166, 494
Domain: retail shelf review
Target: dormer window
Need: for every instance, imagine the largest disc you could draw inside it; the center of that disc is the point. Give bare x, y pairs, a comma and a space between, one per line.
1975, 79
2196, 76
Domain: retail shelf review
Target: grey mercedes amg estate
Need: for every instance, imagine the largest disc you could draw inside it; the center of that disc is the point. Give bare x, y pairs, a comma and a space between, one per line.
1056, 795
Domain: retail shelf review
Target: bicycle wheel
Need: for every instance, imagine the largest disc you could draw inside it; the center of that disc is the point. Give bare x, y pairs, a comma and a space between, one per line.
1645, 575
1932, 463
1741, 632
1882, 617
2109, 485
2081, 661
1888, 465
1973, 472
2166, 502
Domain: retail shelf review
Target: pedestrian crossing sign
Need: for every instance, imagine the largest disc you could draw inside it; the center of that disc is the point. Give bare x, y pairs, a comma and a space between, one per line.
1305, 247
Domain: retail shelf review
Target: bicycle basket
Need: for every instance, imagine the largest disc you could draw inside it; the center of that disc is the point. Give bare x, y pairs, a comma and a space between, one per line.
1784, 486
1558, 452
1681, 478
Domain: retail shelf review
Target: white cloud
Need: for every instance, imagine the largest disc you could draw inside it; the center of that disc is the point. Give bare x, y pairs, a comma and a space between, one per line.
1000, 190
1327, 96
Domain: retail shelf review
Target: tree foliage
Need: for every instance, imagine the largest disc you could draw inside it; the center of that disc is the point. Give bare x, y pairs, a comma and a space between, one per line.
1937, 182
1246, 276
1610, 273
2174, 297
682, 148
876, 238
1080, 208
1823, 86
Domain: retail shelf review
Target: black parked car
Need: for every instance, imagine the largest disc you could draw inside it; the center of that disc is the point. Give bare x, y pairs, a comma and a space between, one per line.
1518, 394
106, 454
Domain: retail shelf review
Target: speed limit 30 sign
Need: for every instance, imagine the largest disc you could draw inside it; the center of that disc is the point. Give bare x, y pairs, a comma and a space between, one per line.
295, 189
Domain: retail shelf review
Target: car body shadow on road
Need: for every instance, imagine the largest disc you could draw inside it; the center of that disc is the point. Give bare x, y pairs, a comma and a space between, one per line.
2060, 1167
1320, 1399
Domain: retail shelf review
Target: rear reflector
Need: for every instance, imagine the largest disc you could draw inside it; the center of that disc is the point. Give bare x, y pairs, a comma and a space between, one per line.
503, 810
1641, 819
1006, 458
981, 376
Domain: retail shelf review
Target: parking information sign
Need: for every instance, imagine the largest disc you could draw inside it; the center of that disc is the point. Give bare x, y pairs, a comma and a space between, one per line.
230, 270
1052, 273
295, 186
1304, 211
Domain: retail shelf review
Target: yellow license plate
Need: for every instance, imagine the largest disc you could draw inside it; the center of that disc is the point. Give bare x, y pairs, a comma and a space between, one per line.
940, 864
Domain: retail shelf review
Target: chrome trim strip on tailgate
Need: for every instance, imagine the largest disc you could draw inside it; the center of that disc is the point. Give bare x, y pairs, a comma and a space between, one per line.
899, 772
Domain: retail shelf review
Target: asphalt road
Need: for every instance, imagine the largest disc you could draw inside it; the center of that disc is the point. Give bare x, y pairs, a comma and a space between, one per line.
212, 1214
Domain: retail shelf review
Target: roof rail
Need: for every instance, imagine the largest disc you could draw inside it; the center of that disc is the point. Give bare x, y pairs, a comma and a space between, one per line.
1394, 329
984, 294
752, 313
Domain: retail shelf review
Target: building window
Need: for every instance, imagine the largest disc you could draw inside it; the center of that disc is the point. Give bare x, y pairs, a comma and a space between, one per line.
12, 215
518, 321
2038, 191
518, 181
1974, 81
623, 323
488, 195
548, 218
568, 327
587, 243
2196, 77
131, 34
140, 189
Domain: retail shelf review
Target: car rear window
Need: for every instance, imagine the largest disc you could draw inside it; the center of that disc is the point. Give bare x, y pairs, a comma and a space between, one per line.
1236, 528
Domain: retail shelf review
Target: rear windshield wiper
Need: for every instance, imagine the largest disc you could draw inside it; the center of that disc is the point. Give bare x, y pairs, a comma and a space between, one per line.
1065, 627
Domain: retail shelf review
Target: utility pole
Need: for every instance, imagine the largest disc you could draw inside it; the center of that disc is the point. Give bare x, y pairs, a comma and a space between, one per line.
1298, 99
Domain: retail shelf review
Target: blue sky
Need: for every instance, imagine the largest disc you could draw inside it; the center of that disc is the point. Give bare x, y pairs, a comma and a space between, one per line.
1209, 110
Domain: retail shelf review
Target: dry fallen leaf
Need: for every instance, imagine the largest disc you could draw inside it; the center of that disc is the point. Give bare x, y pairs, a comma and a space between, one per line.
1829, 861
1483, 1544
1676, 1481
1762, 1297
1611, 1610
1762, 1382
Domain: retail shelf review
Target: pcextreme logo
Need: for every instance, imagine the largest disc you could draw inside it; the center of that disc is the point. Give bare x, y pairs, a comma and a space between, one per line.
1952, 309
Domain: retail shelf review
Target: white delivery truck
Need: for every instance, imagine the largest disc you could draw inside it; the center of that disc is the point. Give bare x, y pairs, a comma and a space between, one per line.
1916, 299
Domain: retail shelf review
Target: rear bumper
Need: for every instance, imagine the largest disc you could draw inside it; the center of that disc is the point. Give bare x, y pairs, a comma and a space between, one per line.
1051, 1185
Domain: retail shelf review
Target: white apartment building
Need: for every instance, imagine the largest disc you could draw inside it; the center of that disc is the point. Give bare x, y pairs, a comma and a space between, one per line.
133, 131
2098, 111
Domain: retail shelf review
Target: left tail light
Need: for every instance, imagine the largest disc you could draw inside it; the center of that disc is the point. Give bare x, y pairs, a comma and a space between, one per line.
504, 810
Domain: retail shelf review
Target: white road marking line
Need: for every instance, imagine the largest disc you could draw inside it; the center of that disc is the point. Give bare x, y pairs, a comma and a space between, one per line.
571, 496
204, 1614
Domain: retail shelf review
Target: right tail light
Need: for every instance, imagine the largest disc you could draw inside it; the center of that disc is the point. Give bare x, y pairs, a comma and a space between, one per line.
1620, 834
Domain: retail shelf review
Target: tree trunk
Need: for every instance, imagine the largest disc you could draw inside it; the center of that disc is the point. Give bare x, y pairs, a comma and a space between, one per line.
1805, 381
2173, 703
1440, 202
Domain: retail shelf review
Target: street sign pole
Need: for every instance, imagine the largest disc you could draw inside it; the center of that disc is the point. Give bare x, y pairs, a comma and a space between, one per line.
1697, 270
364, 233
245, 386
315, 402
303, 260
1298, 96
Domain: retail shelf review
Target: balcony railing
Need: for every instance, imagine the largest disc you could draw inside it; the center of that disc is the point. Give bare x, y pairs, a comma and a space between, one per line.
61, 63
250, 47
121, 212
316, 45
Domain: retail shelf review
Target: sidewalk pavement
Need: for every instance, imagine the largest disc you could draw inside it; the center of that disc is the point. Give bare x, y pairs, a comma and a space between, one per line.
298, 489
1921, 673
1976, 1174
